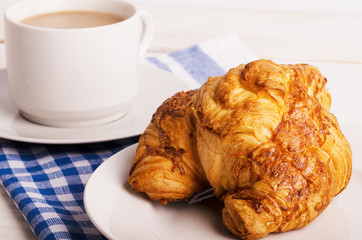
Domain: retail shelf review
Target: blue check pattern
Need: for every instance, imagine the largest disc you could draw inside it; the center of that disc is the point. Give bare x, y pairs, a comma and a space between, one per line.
46, 182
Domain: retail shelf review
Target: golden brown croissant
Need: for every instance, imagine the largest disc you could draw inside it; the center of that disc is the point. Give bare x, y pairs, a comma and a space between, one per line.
261, 135
167, 165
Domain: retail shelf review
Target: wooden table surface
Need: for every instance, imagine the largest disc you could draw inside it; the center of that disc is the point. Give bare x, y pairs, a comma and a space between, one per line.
330, 41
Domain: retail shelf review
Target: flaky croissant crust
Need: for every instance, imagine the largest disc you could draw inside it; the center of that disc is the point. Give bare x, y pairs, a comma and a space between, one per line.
261, 135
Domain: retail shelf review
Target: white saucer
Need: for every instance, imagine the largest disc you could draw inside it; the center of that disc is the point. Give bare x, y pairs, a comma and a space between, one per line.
119, 213
155, 87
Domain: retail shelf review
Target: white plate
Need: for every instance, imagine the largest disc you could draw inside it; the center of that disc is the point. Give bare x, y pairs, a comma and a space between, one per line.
155, 87
120, 213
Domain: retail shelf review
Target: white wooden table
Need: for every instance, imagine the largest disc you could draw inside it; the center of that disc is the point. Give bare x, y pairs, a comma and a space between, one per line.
330, 41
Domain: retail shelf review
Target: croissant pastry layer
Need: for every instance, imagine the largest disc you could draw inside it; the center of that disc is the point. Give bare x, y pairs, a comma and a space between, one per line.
261, 135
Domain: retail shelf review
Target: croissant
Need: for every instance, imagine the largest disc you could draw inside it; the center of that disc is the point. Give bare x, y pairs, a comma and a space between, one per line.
261, 135
167, 165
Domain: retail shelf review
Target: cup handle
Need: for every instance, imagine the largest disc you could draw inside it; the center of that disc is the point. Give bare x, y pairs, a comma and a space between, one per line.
147, 31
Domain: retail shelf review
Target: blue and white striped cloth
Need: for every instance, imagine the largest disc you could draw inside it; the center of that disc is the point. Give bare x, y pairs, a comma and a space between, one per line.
46, 182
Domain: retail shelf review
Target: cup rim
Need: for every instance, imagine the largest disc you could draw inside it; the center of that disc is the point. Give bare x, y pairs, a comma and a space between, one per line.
9, 18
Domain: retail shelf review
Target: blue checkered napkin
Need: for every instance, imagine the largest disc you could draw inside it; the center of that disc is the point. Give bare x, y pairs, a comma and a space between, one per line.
210, 58
46, 182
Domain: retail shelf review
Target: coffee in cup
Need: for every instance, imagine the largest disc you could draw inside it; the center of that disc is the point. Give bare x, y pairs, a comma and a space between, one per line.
72, 19
77, 75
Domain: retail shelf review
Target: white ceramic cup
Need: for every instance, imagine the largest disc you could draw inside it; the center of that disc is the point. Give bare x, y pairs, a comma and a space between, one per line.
74, 77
